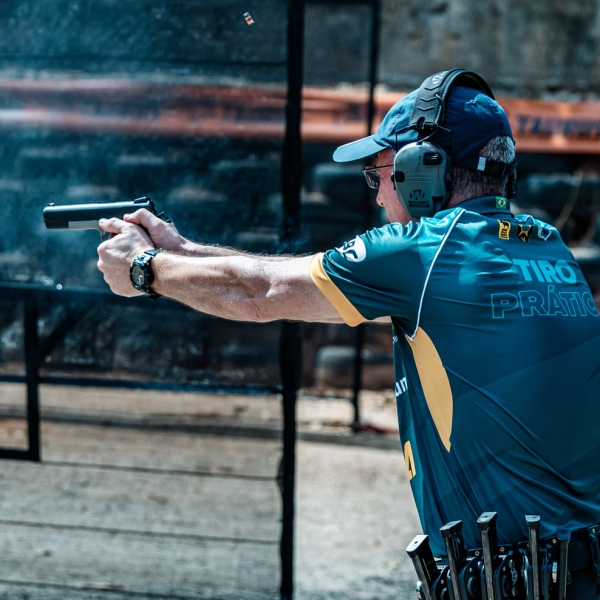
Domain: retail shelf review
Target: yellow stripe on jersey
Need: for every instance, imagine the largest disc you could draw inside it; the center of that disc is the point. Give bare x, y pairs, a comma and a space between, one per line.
435, 383
344, 307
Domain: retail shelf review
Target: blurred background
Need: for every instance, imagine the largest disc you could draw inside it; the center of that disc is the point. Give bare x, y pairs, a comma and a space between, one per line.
184, 101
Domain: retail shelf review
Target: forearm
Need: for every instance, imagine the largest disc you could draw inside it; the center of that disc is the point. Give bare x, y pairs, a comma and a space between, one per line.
189, 248
243, 288
228, 286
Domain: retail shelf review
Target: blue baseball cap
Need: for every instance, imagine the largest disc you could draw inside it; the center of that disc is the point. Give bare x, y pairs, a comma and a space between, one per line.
471, 119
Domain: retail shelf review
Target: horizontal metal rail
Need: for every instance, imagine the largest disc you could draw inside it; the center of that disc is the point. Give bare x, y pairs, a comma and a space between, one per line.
163, 386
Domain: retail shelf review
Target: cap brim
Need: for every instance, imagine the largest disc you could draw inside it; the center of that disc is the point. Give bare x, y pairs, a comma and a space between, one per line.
357, 150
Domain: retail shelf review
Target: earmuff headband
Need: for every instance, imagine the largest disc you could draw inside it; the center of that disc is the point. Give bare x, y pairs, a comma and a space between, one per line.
428, 111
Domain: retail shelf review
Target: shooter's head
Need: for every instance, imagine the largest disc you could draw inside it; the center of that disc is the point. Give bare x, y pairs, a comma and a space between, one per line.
474, 125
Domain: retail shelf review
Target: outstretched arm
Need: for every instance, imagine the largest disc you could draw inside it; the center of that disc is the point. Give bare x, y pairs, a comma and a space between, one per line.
238, 286
244, 288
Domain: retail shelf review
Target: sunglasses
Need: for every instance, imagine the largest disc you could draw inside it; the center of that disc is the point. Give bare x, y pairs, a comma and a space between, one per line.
373, 177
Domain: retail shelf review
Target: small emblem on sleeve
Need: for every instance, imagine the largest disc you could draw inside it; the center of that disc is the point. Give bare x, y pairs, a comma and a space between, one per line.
504, 230
500, 202
543, 232
524, 232
354, 250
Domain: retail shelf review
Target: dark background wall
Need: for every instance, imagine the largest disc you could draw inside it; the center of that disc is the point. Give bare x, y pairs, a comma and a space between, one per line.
224, 190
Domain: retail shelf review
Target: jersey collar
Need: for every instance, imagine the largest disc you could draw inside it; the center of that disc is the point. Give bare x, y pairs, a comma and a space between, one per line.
486, 205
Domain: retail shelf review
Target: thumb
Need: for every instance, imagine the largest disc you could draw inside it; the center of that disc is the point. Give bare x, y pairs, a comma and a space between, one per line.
144, 218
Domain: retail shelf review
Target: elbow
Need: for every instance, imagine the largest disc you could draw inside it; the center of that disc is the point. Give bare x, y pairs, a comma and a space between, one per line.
256, 297
252, 311
255, 306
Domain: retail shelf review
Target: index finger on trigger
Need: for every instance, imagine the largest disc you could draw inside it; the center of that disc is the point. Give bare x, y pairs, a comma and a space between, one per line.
113, 225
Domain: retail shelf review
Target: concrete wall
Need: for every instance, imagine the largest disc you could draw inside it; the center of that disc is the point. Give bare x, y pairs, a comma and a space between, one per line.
525, 48
532, 48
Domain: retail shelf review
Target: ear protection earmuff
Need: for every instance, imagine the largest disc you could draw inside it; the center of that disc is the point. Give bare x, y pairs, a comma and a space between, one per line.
422, 174
422, 178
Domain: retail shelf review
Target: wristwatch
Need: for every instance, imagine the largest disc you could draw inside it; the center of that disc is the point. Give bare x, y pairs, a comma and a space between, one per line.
141, 274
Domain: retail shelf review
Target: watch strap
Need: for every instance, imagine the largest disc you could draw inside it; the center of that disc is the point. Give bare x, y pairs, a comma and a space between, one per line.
143, 261
153, 252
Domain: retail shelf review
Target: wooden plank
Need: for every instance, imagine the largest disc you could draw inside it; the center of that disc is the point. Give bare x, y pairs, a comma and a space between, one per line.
158, 567
355, 516
319, 419
188, 407
209, 506
25, 590
159, 450
218, 408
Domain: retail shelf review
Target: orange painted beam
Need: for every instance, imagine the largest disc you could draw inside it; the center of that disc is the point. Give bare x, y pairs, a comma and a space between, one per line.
331, 116
538, 125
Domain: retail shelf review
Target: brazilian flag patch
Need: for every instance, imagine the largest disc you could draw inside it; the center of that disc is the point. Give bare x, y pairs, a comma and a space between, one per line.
501, 202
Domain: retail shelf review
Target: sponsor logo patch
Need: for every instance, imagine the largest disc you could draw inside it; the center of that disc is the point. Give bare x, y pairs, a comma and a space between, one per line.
543, 232
504, 230
354, 250
524, 232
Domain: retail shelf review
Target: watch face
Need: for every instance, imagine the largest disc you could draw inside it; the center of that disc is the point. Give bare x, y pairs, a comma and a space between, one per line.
137, 277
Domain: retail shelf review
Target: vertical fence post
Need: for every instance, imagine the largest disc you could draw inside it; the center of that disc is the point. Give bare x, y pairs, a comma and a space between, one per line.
291, 162
291, 362
373, 60
32, 366
359, 340
290, 348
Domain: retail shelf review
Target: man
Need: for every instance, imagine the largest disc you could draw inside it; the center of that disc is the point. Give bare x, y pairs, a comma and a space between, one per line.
496, 336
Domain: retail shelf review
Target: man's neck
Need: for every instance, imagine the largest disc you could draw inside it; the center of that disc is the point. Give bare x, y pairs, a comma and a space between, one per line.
456, 199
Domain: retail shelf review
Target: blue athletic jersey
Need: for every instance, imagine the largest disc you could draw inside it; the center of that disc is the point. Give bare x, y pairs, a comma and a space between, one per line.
497, 360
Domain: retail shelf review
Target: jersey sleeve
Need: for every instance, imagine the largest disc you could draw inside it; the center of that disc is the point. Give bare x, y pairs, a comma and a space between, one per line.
377, 274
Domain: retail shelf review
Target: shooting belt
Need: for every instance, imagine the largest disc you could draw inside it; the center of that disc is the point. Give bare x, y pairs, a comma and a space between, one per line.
532, 569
